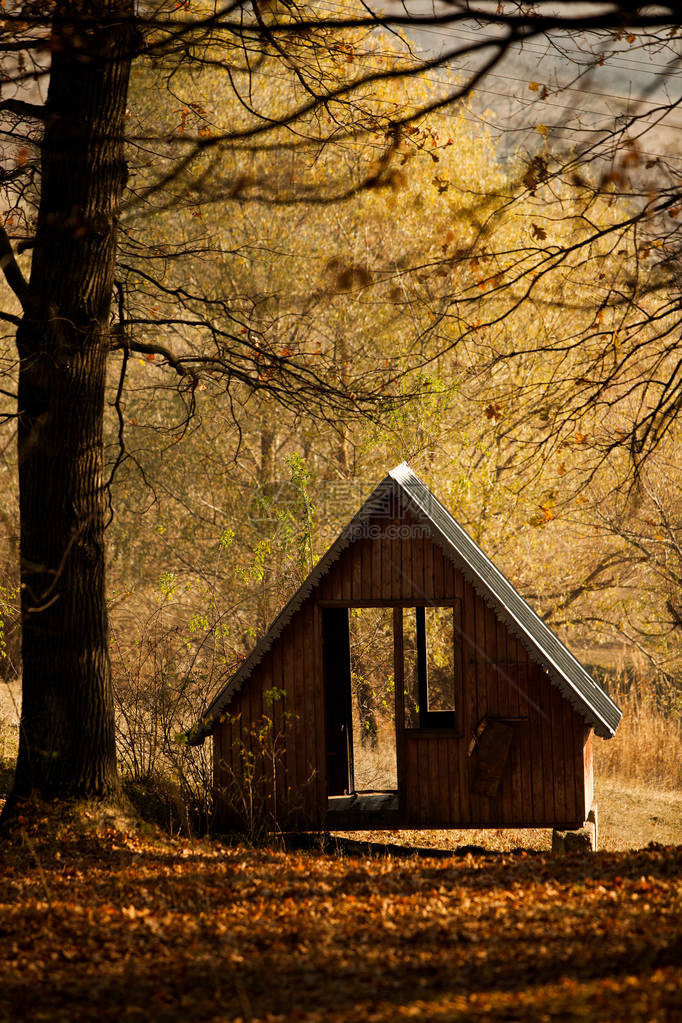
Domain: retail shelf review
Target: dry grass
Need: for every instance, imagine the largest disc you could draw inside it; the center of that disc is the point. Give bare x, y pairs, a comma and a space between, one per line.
10, 703
375, 767
632, 816
647, 748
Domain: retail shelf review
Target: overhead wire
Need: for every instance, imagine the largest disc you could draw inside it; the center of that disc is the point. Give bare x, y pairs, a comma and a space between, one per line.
482, 91
617, 97
530, 46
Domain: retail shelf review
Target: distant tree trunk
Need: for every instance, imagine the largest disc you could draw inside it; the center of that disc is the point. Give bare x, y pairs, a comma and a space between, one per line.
67, 722
341, 451
340, 446
366, 701
268, 439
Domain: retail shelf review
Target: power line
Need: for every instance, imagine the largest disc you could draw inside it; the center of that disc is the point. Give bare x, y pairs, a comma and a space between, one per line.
528, 46
481, 90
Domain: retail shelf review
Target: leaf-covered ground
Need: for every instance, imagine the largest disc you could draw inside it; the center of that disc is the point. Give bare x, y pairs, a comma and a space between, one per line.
115, 926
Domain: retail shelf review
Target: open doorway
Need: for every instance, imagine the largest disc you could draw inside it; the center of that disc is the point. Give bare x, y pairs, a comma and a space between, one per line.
373, 699
360, 700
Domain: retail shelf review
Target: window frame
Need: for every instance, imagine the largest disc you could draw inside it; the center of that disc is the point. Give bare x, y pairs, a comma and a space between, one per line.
446, 722
429, 719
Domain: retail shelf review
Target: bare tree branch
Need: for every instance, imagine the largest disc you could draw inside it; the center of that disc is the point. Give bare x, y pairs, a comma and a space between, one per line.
12, 272
21, 108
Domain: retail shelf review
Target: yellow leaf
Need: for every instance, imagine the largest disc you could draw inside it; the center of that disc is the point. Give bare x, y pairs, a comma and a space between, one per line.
543, 129
534, 86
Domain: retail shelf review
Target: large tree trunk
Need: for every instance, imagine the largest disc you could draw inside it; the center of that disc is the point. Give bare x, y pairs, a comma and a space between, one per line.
67, 723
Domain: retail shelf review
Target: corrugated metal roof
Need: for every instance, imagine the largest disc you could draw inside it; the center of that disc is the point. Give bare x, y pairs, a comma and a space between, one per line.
564, 671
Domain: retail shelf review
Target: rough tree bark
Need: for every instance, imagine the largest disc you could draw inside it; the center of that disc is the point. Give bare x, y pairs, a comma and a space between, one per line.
67, 724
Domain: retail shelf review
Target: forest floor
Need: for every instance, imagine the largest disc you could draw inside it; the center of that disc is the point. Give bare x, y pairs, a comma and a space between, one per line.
104, 920
99, 921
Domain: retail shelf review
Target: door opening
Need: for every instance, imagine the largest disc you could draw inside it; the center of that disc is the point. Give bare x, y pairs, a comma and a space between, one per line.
339, 725
360, 700
372, 684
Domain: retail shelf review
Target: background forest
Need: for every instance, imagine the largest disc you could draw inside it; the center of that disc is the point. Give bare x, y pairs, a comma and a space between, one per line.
501, 322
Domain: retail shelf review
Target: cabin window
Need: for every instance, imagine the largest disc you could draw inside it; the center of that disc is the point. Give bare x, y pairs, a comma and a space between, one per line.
429, 641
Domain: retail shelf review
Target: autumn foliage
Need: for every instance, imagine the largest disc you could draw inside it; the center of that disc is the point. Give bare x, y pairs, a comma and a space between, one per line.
98, 923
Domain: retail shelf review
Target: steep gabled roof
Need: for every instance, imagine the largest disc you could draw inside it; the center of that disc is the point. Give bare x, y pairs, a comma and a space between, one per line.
564, 671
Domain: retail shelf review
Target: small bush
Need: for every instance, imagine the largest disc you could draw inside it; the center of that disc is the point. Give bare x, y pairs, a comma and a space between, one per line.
158, 800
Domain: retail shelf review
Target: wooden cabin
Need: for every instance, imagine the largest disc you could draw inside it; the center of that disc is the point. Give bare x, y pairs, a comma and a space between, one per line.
406, 685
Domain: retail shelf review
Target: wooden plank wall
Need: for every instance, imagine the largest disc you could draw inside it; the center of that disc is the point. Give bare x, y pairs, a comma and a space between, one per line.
433, 787
394, 561
545, 781
290, 780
